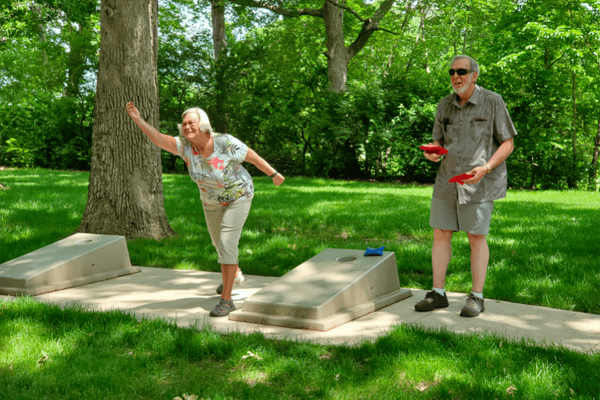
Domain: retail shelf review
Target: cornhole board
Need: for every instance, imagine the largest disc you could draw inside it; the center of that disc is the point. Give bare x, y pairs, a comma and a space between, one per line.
77, 260
334, 287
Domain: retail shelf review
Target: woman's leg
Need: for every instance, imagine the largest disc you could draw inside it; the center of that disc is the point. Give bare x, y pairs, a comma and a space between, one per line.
232, 222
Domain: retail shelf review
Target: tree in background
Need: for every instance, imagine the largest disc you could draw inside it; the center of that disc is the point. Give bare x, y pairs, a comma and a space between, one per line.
125, 194
332, 13
46, 49
272, 85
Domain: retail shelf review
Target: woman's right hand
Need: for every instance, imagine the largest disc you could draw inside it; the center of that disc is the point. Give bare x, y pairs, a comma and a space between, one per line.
133, 112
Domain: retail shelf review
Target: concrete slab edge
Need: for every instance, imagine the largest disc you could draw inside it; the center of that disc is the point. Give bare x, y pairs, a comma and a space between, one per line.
103, 276
323, 324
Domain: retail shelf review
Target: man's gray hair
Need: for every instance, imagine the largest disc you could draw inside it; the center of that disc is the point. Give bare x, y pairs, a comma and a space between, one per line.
473, 66
203, 121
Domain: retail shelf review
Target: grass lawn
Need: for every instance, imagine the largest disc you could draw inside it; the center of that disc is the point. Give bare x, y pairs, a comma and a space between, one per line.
47, 352
544, 246
544, 251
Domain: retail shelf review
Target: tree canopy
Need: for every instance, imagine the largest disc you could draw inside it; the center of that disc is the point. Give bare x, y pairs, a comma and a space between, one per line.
271, 85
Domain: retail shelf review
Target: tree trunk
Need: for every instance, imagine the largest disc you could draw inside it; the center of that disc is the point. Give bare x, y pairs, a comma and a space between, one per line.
75, 61
218, 118
125, 195
594, 169
337, 53
574, 132
37, 10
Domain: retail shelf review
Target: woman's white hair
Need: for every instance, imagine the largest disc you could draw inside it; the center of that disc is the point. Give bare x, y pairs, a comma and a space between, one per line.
203, 121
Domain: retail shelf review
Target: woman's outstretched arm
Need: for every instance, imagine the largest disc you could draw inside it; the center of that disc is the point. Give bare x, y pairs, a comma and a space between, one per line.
264, 166
165, 142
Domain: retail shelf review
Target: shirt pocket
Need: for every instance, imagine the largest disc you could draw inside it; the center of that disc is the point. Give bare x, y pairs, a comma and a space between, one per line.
479, 128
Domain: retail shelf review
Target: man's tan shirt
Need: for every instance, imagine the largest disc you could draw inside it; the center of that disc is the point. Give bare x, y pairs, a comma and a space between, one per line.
471, 134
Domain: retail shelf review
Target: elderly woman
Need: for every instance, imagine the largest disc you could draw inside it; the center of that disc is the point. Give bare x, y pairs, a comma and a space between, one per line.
226, 189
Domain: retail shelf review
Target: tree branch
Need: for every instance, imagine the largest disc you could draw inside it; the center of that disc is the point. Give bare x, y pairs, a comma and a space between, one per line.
351, 11
552, 63
286, 12
363, 20
369, 26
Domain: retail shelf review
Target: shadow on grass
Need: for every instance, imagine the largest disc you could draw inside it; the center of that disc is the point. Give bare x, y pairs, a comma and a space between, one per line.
543, 246
72, 353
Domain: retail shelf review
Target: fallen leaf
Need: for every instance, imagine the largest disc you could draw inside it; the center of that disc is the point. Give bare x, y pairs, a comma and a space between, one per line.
10, 367
326, 356
251, 382
511, 390
186, 397
572, 391
44, 358
345, 235
422, 386
251, 355
337, 377
248, 251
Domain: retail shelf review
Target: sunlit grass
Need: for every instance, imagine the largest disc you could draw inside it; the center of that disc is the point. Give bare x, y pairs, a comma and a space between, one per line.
48, 352
544, 246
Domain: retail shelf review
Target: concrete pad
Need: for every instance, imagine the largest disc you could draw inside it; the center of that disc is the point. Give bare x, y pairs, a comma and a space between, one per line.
186, 298
542, 325
77, 260
330, 289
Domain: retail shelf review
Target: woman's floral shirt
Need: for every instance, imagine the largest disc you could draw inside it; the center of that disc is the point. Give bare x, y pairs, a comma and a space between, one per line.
220, 177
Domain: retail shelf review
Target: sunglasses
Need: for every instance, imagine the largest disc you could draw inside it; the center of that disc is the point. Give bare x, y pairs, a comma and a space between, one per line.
459, 71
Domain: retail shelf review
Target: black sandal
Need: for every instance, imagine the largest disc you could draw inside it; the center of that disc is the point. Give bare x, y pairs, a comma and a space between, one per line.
223, 308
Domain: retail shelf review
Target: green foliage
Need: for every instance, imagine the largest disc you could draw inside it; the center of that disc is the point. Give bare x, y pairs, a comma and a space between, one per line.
45, 103
270, 86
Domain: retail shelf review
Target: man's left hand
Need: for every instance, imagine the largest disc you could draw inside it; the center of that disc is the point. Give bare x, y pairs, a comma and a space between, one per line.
478, 173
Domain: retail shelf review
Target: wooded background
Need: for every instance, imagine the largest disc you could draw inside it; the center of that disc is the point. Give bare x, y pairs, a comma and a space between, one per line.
318, 88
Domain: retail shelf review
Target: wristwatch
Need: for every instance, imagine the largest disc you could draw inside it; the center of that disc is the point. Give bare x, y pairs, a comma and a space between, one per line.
273, 176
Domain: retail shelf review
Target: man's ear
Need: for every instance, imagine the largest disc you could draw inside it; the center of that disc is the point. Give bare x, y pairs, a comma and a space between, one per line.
475, 76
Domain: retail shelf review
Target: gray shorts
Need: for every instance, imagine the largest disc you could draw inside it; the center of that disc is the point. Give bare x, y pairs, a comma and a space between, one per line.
471, 218
225, 227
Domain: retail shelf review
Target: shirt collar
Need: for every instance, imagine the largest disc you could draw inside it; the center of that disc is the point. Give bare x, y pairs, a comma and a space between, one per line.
474, 97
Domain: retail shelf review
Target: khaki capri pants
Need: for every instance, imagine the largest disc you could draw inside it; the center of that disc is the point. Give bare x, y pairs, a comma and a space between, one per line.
225, 227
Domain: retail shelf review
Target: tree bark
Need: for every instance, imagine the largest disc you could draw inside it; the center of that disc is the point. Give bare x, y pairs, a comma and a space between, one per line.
75, 61
596, 152
218, 117
125, 195
574, 132
337, 54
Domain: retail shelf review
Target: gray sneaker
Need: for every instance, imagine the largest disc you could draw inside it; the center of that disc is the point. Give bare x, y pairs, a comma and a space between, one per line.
432, 301
473, 308
223, 308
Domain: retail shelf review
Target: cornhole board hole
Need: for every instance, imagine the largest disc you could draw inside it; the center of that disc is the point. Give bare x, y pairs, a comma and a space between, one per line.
332, 288
77, 260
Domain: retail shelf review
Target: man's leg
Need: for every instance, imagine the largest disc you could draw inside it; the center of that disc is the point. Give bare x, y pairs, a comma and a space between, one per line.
440, 256
480, 256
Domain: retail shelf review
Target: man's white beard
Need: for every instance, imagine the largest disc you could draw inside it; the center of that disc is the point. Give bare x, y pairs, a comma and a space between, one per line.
464, 87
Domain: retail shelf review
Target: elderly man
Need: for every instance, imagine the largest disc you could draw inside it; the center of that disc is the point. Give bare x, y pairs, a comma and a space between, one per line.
474, 126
